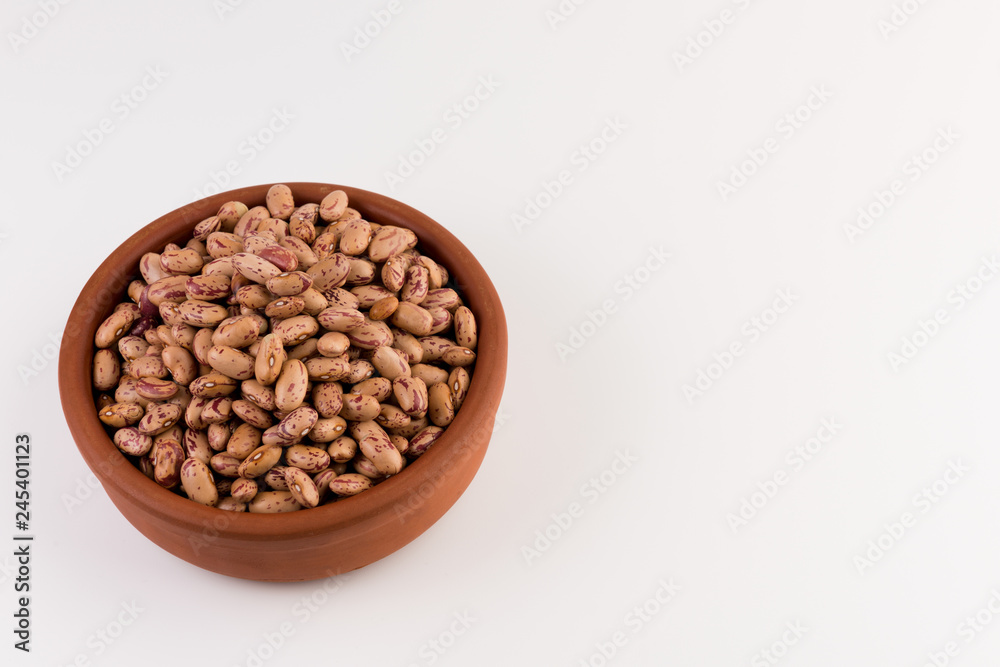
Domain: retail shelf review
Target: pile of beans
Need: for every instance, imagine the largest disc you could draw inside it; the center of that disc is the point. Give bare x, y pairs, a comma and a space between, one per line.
286, 356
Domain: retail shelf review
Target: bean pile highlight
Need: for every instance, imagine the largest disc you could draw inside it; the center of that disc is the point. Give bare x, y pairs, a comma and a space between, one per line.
286, 356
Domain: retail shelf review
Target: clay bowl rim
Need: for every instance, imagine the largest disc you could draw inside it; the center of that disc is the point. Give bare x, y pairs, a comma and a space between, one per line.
478, 411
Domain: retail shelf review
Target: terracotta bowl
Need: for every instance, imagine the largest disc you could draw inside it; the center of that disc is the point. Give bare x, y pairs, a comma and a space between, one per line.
313, 543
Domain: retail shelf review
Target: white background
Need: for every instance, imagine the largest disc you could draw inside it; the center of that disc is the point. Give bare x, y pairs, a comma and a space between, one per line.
617, 390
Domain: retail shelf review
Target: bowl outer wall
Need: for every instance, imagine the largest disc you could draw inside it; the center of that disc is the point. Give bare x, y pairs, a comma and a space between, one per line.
319, 542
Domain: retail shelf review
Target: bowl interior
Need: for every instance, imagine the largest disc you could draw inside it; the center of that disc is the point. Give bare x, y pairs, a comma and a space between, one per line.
107, 287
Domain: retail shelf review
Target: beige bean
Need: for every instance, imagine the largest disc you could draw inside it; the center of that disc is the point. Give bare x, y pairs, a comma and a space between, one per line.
304, 254
125, 392
302, 222
333, 205
441, 320
342, 449
253, 296
172, 289
326, 398
434, 347
375, 444
244, 489
394, 273
275, 478
259, 461
244, 440
159, 417
148, 366
201, 313
254, 268
324, 245
121, 414
408, 345
458, 382
248, 221
183, 335
440, 409
231, 213
389, 362
341, 319
302, 487
107, 370
225, 464
289, 283
231, 362
217, 410
280, 202
130, 441
446, 298
328, 430
350, 484
155, 389
361, 370
415, 286
285, 307
413, 319
192, 414
113, 328
280, 256
307, 458
184, 260
383, 308
330, 272
218, 435
223, 244
133, 347
361, 272
379, 387
458, 356
274, 502
420, 442
295, 329
236, 332
212, 385
389, 241
292, 385
304, 351
270, 358
313, 302
230, 504
355, 237
197, 482
258, 394
223, 266
391, 416
149, 267
167, 456
333, 344
338, 297
252, 414
297, 423
411, 396
359, 407
196, 445
370, 335
327, 369
201, 345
